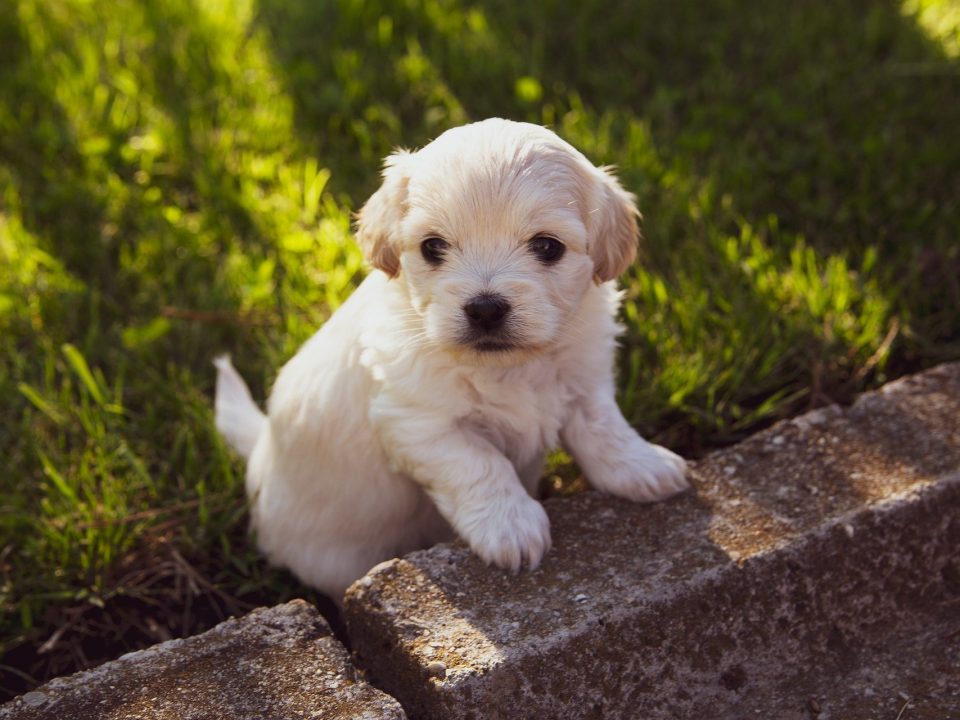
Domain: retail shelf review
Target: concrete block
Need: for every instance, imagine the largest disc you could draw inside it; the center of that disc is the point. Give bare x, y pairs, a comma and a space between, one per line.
797, 552
272, 664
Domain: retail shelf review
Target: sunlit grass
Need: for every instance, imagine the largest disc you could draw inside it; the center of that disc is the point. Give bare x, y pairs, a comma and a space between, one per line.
157, 207
177, 180
940, 19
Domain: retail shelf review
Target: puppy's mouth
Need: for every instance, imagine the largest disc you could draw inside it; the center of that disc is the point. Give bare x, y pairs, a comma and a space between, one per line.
493, 346
499, 341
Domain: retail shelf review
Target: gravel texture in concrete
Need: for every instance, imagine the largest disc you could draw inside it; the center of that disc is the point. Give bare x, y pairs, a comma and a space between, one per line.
800, 557
272, 664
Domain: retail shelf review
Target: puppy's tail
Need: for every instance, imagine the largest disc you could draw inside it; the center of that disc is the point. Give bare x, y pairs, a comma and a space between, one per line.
238, 418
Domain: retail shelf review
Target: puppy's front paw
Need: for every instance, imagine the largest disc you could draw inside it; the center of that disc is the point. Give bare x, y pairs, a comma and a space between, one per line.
644, 473
510, 533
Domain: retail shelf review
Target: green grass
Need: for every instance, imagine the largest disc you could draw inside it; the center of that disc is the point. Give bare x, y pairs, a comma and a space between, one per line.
177, 178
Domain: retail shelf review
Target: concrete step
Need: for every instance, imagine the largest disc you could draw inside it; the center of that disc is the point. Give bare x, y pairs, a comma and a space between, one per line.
273, 664
805, 562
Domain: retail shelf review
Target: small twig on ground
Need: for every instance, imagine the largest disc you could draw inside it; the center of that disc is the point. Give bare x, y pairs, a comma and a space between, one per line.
197, 581
187, 572
30, 679
900, 714
51, 642
216, 500
882, 349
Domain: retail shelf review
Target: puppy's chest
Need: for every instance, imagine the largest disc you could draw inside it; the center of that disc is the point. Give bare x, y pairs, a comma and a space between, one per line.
521, 413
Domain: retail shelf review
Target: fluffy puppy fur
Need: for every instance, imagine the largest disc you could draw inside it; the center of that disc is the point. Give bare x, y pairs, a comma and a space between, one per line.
484, 336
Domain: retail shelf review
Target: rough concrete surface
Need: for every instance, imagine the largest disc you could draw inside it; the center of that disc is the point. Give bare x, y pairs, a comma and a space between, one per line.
787, 584
271, 664
911, 674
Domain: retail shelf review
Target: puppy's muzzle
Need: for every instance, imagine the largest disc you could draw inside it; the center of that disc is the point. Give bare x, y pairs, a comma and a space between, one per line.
486, 313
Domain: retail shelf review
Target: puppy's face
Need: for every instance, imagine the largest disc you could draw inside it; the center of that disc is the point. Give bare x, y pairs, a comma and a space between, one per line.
497, 230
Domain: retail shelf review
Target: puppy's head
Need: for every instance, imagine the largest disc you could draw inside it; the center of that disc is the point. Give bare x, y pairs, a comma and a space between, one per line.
497, 230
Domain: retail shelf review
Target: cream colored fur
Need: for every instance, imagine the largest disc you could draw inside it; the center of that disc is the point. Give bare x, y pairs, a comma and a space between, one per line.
389, 431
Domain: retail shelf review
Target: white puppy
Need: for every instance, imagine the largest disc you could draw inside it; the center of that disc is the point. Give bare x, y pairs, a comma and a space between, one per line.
484, 337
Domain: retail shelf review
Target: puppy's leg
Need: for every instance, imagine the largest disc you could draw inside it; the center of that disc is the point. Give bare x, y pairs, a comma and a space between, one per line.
530, 475
475, 488
615, 458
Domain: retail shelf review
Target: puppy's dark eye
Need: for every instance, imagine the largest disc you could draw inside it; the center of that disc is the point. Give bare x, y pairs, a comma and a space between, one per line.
433, 249
547, 249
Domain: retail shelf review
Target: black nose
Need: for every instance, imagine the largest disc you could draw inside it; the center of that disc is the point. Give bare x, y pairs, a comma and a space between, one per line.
486, 312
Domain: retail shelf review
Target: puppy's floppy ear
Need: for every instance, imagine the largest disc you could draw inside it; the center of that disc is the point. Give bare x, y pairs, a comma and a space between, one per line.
611, 225
378, 219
